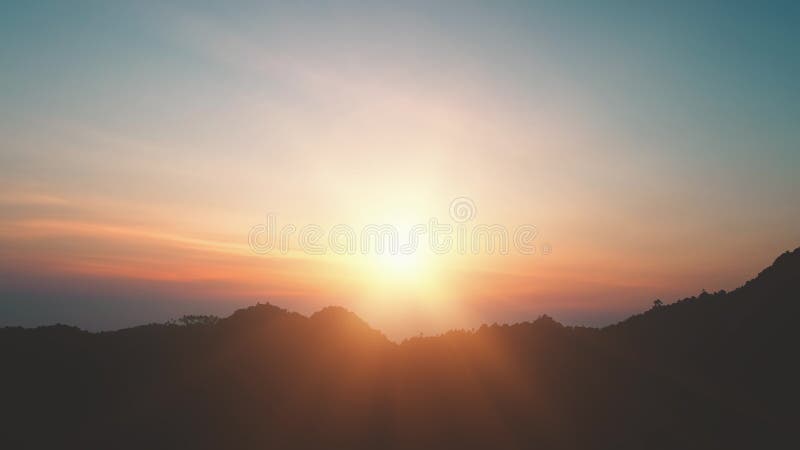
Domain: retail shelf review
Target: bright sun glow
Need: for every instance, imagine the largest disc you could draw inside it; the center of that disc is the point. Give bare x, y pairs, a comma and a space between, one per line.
401, 265
400, 271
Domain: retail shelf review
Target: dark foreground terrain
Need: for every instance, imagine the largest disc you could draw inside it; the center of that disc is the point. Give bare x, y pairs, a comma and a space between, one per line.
714, 371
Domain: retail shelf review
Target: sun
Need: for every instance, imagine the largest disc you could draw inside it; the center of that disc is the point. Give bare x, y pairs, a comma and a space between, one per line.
397, 272
401, 277
393, 275
408, 264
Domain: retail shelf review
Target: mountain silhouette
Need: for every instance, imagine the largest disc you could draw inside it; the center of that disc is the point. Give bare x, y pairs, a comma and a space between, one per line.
712, 371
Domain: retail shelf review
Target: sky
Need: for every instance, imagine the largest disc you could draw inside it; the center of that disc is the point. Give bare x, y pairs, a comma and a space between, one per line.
655, 149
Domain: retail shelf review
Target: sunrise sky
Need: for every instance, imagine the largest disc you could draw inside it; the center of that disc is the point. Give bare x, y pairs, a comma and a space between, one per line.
656, 151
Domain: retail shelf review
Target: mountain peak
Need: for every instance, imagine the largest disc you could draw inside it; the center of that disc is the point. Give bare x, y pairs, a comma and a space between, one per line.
255, 315
341, 321
781, 274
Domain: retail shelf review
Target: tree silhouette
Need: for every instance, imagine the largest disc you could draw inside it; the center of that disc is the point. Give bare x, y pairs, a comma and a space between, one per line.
194, 320
658, 303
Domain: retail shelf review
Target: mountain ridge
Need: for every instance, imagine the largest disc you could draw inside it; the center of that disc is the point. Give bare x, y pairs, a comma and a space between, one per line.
711, 371
777, 275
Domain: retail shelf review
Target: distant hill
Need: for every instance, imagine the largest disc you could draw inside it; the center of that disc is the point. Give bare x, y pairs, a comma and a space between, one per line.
712, 371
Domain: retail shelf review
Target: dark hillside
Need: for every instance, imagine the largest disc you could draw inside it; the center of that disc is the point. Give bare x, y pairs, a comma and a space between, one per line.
712, 371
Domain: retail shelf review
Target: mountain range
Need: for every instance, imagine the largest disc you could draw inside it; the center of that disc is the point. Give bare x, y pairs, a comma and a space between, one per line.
717, 370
